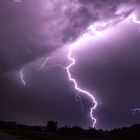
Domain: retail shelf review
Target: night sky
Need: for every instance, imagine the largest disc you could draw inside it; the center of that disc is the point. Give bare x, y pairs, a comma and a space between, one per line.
107, 65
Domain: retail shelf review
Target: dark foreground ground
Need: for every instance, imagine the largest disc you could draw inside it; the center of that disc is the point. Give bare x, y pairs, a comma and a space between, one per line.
14, 131
5, 136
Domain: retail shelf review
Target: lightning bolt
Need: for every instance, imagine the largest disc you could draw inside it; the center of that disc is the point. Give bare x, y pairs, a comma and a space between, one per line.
43, 65
76, 86
45, 62
18, 1
22, 77
135, 110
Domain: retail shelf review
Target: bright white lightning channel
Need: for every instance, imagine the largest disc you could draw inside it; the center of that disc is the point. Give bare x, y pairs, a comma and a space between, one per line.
73, 80
73, 62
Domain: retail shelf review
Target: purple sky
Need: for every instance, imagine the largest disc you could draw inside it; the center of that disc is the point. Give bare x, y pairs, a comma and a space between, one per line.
108, 66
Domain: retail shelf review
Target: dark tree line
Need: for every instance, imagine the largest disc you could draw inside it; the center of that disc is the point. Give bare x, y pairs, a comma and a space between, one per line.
132, 132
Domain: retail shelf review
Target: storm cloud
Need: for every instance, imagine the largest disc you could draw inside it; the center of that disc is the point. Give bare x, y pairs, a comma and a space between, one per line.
30, 29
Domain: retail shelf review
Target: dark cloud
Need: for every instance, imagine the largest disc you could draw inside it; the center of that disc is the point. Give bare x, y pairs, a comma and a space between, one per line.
78, 22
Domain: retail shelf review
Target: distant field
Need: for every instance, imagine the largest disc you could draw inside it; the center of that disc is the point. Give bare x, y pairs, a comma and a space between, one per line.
43, 136
64, 138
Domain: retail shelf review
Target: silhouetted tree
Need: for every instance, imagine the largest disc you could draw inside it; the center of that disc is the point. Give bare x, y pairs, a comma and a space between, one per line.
66, 130
77, 131
52, 126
